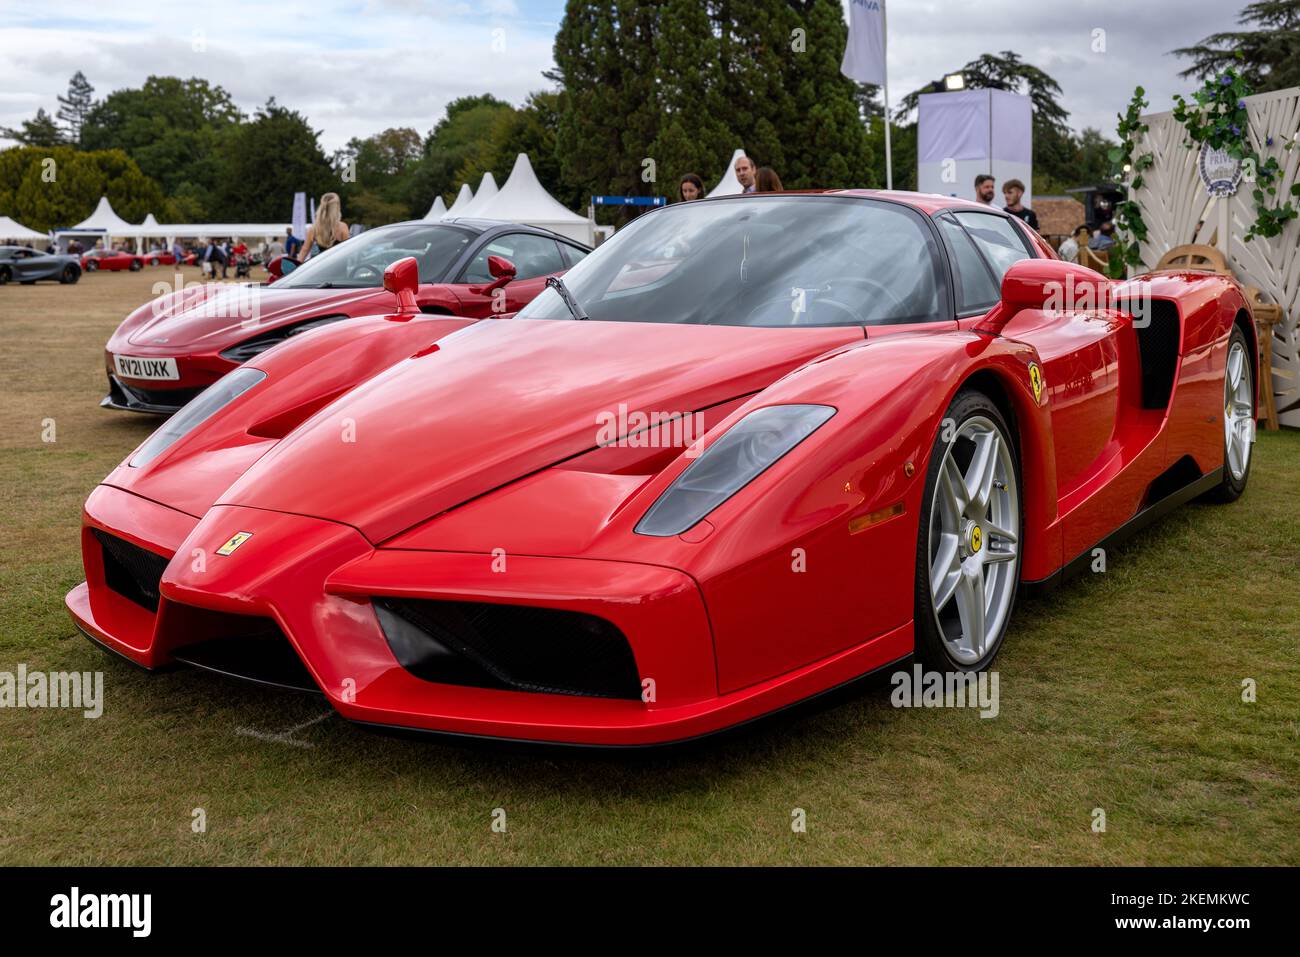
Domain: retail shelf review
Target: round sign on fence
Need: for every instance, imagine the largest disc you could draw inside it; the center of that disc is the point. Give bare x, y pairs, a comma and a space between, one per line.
1220, 172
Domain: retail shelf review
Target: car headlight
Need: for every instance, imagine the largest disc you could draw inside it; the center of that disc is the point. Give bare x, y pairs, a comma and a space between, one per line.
748, 449
199, 409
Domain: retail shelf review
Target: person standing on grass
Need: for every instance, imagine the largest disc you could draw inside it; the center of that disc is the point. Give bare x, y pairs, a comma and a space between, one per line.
690, 188
1012, 190
292, 244
328, 229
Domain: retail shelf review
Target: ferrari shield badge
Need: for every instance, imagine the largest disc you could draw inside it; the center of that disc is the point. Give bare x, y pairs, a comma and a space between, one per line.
1036, 381
234, 542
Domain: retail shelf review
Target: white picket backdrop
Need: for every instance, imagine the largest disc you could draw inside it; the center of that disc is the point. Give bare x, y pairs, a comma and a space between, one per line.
1173, 200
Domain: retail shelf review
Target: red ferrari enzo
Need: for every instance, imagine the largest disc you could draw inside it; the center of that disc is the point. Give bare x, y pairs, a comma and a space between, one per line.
747, 451
172, 348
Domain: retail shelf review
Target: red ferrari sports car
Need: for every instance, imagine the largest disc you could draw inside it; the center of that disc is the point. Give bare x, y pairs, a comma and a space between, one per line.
111, 259
172, 348
747, 451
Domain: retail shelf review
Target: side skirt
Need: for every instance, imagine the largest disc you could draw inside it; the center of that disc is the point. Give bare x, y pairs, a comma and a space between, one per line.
1082, 561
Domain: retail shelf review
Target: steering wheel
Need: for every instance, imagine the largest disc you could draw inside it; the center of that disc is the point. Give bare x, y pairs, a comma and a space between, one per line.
366, 271
870, 284
786, 305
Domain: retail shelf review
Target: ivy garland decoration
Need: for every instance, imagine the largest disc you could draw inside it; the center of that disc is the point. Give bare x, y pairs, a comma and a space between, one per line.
1130, 228
1217, 116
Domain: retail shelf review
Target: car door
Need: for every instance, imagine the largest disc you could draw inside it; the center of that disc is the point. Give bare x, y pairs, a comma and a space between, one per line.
535, 257
1079, 346
23, 264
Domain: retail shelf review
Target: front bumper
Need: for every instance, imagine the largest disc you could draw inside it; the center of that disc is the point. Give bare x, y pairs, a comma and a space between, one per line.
153, 401
312, 582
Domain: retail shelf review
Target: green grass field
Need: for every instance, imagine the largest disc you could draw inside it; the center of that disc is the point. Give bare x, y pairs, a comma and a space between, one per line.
1120, 692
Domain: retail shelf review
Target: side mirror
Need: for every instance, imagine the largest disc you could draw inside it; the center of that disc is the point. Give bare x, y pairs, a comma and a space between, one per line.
502, 271
402, 279
281, 266
1041, 284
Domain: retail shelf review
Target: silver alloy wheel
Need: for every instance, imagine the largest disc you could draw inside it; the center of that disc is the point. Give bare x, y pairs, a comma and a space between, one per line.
1238, 411
974, 540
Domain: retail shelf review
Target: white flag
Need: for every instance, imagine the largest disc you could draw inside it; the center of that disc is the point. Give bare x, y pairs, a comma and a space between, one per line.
299, 215
864, 57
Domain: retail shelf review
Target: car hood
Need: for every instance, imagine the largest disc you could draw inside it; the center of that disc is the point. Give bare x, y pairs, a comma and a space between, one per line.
499, 400
213, 316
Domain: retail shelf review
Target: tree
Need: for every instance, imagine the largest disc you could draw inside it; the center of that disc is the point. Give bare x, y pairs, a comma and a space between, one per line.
531, 130
826, 144
74, 107
605, 57
174, 129
56, 187
374, 173
40, 130
675, 87
462, 136
264, 162
1268, 58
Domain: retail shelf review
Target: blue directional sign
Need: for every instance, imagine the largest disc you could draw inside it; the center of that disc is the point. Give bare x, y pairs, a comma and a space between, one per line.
629, 201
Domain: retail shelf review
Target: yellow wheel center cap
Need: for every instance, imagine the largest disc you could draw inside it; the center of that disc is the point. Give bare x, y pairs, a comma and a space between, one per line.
976, 538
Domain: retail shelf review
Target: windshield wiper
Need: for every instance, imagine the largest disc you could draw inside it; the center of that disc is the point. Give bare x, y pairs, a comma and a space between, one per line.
556, 283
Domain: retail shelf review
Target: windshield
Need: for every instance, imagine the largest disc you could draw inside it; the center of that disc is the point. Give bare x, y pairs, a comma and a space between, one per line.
761, 261
359, 262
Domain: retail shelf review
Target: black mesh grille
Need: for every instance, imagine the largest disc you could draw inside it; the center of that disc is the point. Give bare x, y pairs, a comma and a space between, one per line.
162, 398
131, 571
1158, 341
517, 647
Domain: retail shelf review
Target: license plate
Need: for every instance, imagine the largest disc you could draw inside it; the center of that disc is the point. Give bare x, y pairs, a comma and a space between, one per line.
132, 367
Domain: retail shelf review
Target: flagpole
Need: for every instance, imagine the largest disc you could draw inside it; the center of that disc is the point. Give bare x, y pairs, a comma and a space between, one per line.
889, 160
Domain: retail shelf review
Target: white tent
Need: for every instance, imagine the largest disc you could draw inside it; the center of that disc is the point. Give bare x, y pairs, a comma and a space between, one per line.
149, 222
104, 218
487, 188
523, 199
729, 185
463, 199
14, 232
436, 211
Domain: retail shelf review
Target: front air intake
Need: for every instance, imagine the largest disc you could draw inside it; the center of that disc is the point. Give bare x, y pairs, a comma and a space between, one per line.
131, 571
512, 647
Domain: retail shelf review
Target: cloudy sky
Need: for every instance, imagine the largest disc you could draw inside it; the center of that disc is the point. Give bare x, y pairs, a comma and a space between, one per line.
358, 66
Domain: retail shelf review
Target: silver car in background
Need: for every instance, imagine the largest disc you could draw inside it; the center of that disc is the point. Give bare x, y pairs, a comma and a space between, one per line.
26, 265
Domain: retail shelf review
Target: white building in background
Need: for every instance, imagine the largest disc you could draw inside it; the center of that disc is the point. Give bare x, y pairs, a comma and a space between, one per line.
523, 199
487, 188
463, 199
105, 226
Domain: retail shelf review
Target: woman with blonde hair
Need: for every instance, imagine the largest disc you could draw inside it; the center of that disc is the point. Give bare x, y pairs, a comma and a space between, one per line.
328, 227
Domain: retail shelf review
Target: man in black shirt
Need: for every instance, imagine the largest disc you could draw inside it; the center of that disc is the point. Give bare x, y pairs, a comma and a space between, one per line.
1012, 190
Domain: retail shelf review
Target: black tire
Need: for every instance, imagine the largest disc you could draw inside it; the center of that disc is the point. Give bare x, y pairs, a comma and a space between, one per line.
70, 275
5, 275
1230, 489
91, 265
136, 265
930, 647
